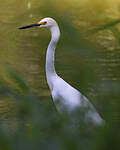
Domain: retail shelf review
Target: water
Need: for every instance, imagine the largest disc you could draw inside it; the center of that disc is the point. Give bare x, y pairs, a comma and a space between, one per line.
89, 61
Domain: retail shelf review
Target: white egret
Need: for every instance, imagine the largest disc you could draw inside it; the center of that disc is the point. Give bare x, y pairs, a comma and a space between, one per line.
69, 98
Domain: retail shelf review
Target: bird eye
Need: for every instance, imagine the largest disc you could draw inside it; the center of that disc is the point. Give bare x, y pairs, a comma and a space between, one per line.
44, 23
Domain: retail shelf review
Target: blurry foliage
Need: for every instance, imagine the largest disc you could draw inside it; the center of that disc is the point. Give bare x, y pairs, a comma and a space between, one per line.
107, 25
35, 123
113, 26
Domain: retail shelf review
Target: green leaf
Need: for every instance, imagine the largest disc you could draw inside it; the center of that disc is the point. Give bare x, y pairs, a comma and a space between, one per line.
107, 25
18, 80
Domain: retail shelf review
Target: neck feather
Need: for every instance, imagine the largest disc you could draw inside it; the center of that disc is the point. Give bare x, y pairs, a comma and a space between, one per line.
50, 68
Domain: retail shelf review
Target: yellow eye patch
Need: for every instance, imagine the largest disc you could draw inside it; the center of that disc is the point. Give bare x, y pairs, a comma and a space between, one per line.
42, 23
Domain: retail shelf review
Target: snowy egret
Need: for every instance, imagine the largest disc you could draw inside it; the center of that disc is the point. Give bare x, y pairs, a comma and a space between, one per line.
69, 98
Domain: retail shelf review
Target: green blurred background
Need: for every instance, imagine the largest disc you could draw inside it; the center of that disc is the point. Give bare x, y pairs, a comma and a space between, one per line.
87, 57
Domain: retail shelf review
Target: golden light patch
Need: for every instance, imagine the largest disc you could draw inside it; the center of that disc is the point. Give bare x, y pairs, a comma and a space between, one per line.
42, 23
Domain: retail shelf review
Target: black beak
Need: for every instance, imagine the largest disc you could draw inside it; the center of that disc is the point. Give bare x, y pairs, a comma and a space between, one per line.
29, 26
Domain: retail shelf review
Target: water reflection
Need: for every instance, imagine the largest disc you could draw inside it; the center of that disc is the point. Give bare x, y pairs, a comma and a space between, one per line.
90, 62
82, 63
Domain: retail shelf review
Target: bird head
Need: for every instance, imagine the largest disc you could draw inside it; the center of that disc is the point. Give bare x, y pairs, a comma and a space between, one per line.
44, 23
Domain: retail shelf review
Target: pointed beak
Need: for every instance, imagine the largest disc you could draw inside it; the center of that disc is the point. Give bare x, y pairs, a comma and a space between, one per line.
30, 26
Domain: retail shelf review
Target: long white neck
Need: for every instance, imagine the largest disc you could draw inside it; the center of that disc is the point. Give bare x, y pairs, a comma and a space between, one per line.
50, 68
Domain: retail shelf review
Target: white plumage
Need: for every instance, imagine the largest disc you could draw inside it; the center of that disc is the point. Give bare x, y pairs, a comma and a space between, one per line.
66, 97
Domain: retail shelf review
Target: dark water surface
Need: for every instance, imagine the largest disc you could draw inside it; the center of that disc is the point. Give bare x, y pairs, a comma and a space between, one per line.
89, 61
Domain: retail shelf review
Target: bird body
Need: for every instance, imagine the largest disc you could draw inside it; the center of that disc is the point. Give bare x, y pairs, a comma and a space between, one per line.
68, 99
65, 97
64, 93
